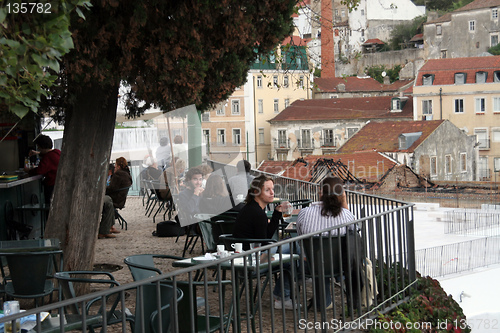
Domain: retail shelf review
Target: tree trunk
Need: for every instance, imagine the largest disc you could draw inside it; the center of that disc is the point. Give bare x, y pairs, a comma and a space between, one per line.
76, 208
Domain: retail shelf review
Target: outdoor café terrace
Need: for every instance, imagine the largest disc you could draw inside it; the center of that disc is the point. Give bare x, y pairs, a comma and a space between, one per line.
234, 294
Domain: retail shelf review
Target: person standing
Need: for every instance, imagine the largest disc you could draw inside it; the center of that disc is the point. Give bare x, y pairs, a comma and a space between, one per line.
49, 162
240, 182
164, 153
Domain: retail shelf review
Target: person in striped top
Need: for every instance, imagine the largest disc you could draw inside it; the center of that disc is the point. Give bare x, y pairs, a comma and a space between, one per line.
331, 211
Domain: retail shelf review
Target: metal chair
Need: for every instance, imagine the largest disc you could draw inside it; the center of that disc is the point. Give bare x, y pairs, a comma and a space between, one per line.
146, 314
93, 314
31, 273
121, 220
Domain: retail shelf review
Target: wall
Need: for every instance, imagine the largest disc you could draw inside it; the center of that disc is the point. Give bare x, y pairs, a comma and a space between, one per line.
447, 139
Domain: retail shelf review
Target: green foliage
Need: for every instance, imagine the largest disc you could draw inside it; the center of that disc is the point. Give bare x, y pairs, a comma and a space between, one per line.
402, 33
33, 38
442, 5
376, 72
495, 50
429, 305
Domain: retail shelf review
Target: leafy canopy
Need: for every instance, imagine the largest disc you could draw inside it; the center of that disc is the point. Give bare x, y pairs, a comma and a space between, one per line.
33, 38
172, 53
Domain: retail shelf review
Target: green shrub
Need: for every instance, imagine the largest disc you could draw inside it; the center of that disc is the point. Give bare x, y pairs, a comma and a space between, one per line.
428, 310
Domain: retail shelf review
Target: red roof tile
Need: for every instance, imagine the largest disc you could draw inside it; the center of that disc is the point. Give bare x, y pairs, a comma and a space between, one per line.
445, 18
444, 69
479, 4
417, 37
384, 136
344, 108
373, 41
294, 40
352, 83
274, 167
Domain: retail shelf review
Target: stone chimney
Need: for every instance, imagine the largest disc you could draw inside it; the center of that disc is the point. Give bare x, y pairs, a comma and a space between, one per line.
327, 42
387, 80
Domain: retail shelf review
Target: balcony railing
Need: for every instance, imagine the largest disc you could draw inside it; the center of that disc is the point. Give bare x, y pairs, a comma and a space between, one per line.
382, 235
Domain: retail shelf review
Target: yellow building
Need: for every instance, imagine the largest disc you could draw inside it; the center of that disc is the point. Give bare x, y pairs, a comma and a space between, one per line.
465, 91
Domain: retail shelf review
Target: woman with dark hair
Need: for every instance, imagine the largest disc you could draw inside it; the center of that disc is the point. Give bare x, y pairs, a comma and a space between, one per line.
332, 210
252, 221
215, 198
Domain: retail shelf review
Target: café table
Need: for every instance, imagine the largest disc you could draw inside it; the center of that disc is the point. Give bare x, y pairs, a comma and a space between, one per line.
245, 268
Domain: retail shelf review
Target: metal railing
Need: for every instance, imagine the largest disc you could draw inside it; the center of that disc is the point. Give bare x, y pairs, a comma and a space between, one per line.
458, 257
473, 222
383, 235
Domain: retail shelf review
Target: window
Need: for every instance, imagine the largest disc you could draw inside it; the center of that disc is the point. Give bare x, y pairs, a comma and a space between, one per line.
481, 77
235, 107
496, 76
261, 136
282, 156
282, 139
221, 137
236, 136
287, 102
343, 12
396, 104
272, 58
459, 105
328, 138
496, 104
447, 164
443, 54
362, 12
494, 13
427, 79
301, 81
495, 134
334, 96
205, 116
433, 166
427, 107
460, 78
285, 81
496, 164
483, 170
439, 29
276, 105
482, 138
259, 81
480, 105
206, 136
463, 162
306, 138
260, 105
472, 26
298, 62
220, 112
275, 81
351, 131
493, 40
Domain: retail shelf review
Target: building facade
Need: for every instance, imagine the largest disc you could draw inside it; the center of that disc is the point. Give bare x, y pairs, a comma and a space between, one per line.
465, 91
466, 32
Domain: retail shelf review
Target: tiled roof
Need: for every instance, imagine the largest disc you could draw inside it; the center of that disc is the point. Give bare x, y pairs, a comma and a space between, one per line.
384, 136
397, 85
479, 4
344, 108
352, 83
444, 69
373, 41
417, 37
274, 167
445, 18
294, 40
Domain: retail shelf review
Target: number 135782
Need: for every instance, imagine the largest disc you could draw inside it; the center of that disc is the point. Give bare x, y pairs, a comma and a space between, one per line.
29, 8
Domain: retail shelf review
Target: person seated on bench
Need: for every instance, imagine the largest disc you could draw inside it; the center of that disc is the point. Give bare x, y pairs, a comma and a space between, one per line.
116, 195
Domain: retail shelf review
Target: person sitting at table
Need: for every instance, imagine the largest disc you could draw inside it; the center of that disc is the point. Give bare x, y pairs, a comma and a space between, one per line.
115, 198
252, 222
189, 198
48, 165
156, 177
215, 199
332, 210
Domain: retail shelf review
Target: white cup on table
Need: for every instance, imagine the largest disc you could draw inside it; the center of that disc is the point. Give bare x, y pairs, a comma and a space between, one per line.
238, 247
